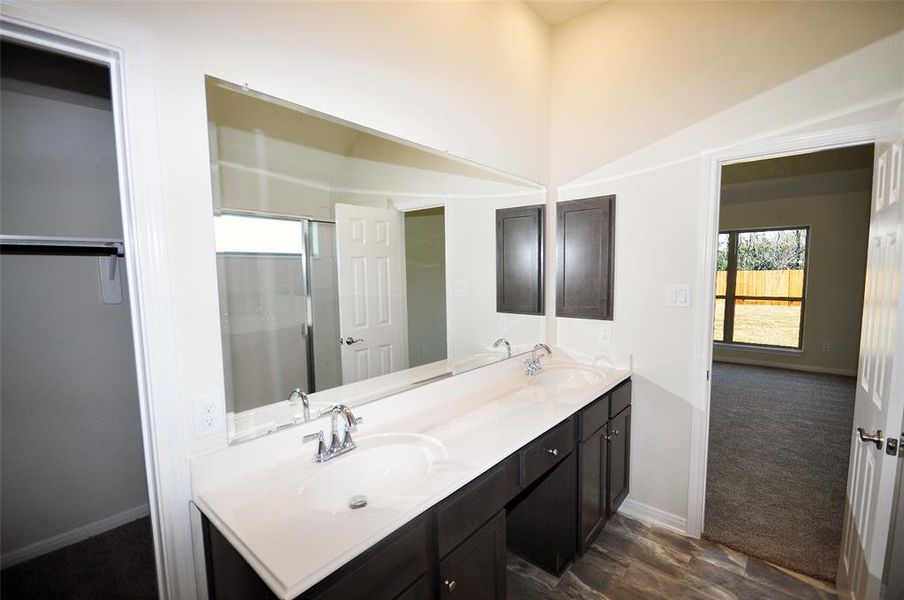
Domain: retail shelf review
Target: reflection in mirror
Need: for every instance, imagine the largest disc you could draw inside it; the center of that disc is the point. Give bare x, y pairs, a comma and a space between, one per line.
351, 265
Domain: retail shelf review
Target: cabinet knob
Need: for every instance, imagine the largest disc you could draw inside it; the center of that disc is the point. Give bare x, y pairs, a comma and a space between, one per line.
552, 451
450, 585
615, 432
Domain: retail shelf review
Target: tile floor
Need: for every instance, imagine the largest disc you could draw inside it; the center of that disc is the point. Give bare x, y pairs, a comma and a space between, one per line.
631, 560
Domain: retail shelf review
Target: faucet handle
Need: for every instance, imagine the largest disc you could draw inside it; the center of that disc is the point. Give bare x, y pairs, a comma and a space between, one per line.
321, 452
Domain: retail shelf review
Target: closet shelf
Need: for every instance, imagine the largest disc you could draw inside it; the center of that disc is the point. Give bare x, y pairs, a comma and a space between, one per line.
37, 244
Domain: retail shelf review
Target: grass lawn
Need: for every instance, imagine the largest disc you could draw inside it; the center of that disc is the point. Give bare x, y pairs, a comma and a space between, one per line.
761, 324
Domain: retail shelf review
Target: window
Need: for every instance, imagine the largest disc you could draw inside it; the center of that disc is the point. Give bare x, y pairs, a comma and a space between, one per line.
760, 282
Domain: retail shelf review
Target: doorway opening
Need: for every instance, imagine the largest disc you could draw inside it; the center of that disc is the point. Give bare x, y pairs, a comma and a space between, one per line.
75, 502
790, 272
425, 280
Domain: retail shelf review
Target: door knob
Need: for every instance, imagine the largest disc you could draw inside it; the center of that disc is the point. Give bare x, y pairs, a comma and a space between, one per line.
349, 341
875, 438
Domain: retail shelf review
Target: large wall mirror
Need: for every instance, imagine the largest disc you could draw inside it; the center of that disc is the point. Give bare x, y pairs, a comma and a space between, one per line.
351, 265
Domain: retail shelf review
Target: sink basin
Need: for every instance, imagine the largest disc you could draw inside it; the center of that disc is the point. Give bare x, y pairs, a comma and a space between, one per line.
566, 377
383, 468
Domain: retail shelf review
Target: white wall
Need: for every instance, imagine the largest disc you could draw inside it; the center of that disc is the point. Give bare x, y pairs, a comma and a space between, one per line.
628, 74
470, 78
660, 188
474, 323
71, 438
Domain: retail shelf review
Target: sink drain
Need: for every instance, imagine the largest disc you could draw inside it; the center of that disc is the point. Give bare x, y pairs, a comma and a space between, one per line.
359, 501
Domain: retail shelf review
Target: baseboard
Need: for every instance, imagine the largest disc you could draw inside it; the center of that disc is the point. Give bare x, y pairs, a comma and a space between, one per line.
653, 516
67, 538
789, 366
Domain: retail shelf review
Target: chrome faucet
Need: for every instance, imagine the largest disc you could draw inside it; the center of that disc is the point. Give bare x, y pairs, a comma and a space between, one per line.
297, 395
508, 346
533, 363
336, 447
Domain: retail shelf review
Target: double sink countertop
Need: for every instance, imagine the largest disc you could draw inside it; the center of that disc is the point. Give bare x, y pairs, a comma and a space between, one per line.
289, 517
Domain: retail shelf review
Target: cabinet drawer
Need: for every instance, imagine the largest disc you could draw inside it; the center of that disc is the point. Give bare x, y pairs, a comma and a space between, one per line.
476, 569
421, 590
469, 508
593, 417
619, 398
545, 452
405, 554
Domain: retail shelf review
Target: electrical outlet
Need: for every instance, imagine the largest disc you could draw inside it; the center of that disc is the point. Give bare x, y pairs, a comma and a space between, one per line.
826, 347
209, 414
604, 335
503, 324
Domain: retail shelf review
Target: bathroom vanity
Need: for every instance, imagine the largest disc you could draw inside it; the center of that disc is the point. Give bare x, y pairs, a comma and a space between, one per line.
490, 463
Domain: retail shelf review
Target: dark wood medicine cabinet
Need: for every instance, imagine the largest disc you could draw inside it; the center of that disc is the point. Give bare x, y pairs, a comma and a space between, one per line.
519, 260
585, 243
546, 502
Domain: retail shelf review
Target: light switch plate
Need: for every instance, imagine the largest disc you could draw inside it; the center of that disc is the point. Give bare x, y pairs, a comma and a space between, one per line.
678, 295
461, 289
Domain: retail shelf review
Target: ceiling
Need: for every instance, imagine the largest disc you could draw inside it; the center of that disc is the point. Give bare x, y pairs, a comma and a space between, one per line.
555, 12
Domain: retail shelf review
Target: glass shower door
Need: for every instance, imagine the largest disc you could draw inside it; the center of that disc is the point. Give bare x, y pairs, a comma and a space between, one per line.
263, 309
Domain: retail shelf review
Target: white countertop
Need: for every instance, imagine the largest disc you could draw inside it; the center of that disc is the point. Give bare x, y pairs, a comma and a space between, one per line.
255, 493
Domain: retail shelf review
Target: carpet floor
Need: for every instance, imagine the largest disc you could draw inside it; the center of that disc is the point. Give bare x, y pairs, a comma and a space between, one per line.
778, 463
117, 564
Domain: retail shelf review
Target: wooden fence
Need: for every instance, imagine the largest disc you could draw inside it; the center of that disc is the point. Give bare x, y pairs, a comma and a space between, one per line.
785, 283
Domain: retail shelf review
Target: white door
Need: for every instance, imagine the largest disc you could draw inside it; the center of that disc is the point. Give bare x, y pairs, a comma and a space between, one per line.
371, 293
879, 404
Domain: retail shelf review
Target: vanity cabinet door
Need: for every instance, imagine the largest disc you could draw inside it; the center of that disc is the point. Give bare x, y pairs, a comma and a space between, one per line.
476, 569
421, 590
519, 260
585, 235
619, 459
592, 454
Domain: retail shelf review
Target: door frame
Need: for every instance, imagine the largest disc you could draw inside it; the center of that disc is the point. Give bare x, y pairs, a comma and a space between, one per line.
713, 162
128, 57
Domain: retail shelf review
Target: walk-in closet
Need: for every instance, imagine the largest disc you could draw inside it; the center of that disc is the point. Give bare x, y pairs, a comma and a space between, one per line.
74, 490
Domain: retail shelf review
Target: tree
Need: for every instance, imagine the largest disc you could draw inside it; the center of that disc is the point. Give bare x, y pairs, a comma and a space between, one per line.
784, 249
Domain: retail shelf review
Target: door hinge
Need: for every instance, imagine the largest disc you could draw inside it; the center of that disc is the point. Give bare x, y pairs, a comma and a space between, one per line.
707, 374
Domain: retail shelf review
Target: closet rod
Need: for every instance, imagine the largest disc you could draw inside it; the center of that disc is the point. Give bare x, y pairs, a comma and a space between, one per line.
37, 244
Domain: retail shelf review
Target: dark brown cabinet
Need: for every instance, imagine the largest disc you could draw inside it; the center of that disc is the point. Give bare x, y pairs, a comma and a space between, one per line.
476, 569
592, 486
519, 260
541, 522
619, 458
585, 236
603, 461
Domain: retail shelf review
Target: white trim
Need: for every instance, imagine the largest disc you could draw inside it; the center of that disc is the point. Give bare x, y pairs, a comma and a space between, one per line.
127, 52
712, 166
789, 366
72, 536
753, 348
653, 516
